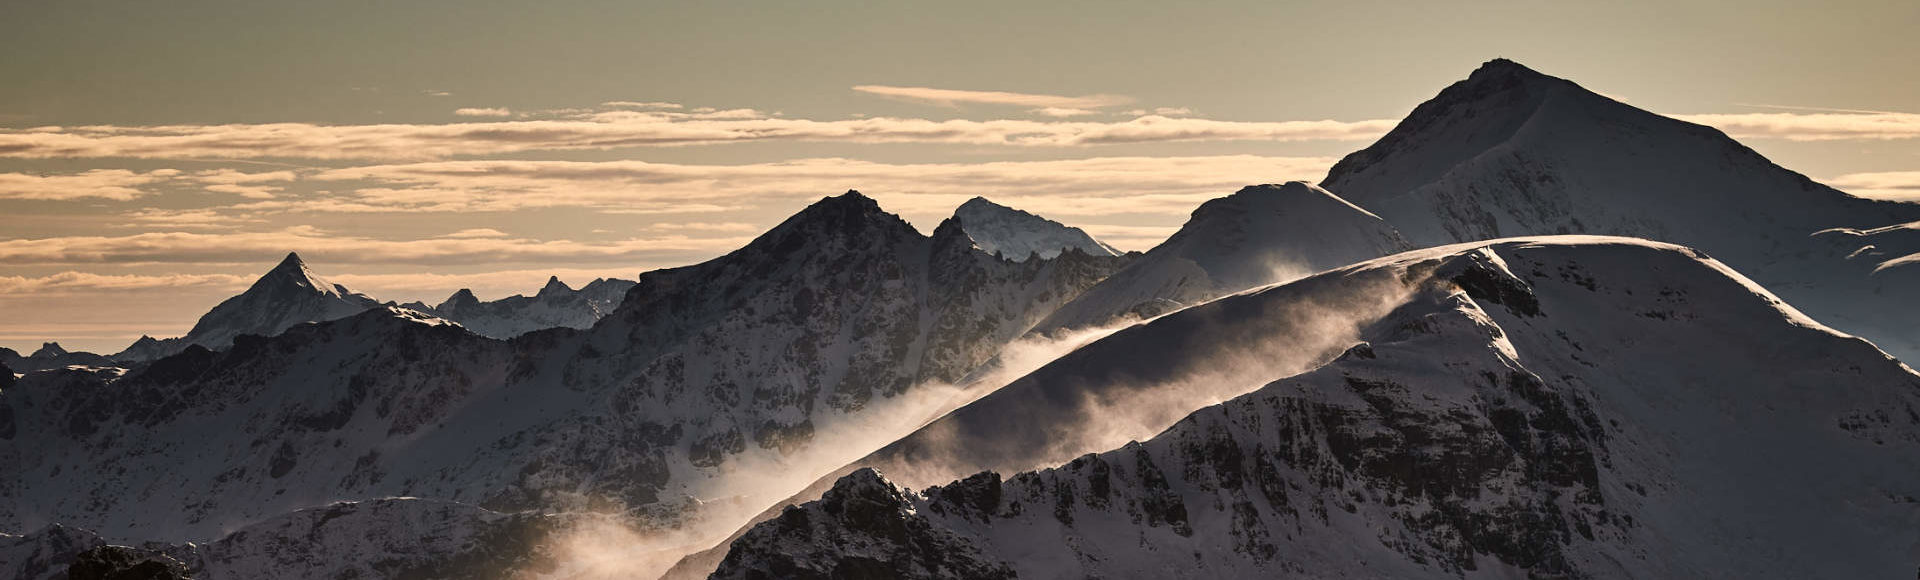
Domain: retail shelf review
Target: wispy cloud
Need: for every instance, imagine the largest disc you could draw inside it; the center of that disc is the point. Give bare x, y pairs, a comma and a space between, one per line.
1828, 126
114, 184
483, 112
655, 105
1895, 185
244, 247
123, 185
71, 281
1092, 186
193, 219
953, 97
628, 129
1064, 112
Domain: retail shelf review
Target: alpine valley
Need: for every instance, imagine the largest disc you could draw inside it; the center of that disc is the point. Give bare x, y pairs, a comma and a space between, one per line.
1532, 332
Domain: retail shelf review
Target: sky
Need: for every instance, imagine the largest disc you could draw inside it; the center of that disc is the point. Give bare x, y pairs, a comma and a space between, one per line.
156, 157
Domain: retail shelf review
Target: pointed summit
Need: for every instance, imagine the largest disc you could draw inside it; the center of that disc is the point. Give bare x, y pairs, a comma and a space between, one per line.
290, 263
1018, 235
1512, 152
849, 222
553, 288
289, 294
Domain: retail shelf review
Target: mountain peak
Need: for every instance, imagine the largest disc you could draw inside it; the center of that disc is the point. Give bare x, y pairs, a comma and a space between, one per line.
1503, 68
849, 221
292, 272
291, 263
461, 298
1290, 198
554, 287
980, 202
49, 350
1018, 235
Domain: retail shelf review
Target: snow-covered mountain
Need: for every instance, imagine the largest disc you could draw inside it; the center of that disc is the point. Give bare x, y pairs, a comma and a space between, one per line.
1018, 235
289, 294
51, 356
695, 401
1559, 407
1259, 235
1510, 151
555, 305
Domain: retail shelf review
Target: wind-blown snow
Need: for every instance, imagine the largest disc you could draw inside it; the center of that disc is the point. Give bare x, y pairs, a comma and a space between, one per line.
1554, 407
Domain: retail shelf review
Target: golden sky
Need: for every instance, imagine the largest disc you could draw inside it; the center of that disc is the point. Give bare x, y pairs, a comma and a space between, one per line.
156, 156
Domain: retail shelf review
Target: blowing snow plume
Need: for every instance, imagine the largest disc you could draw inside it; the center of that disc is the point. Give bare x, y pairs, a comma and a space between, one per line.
750, 484
1130, 383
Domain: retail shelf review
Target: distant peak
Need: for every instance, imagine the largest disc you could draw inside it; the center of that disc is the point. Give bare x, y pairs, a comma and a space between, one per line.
49, 350
554, 287
292, 263
460, 298
979, 202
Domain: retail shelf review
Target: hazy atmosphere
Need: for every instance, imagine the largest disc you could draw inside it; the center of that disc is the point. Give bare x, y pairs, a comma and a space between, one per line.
157, 157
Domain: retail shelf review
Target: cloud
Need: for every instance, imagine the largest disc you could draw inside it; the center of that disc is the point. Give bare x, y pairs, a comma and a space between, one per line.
71, 281
1129, 237
626, 129
113, 184
1164, 111
641, 105
1168, 186
473, 233
124, 185
1894, 185
1064, 112
317, 245
483, 112
732, 227
1831, 126
953, 97
202, 218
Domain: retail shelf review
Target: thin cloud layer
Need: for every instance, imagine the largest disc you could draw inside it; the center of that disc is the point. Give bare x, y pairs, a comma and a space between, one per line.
953, 97
1895, 185
113, 184
628, 129
125, 185
317, 245
1169, 186
1832, 126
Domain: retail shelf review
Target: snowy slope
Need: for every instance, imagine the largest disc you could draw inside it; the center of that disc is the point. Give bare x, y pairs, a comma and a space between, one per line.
1510, 151
1557, 407
555, 305
1018, 235
690, 405
1259, 235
